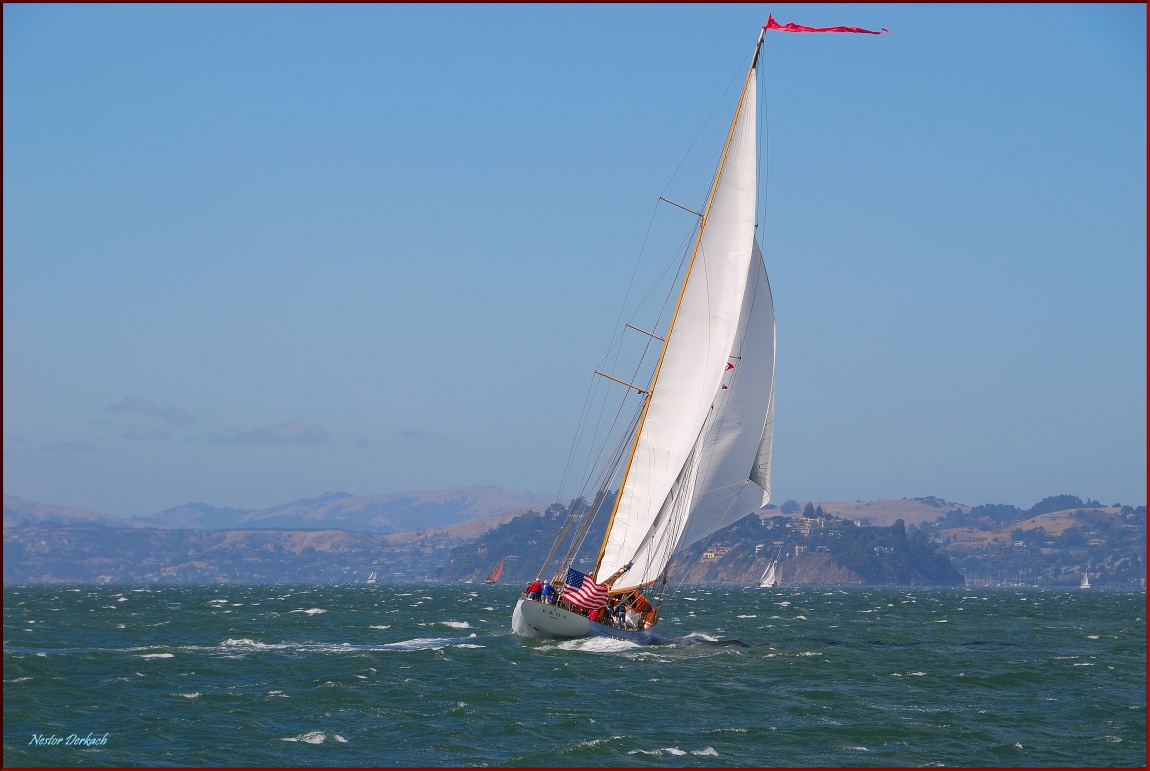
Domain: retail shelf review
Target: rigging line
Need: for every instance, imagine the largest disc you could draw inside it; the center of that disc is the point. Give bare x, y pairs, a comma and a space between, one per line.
580, 428
597, 472
680, 250
708, 120
575, 442
712, 535
591, 466
675, 173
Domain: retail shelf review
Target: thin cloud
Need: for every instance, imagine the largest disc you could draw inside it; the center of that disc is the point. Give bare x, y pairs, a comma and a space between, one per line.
146, 434
76, 447
139, 406
294, 431
418, 436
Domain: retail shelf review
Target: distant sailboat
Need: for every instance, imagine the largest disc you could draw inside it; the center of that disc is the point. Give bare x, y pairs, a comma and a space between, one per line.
372, 579
1085, 580
773, 575
495, 573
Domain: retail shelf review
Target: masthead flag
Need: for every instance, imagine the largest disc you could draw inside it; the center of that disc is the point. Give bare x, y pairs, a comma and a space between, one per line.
791, 27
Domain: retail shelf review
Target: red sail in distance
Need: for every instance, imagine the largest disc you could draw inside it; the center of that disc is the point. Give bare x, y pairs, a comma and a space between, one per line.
498, 571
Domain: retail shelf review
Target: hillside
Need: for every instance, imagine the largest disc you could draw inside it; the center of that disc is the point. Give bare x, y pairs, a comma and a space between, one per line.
884, 513
1002, 544
19, 511
819, 550
390, 513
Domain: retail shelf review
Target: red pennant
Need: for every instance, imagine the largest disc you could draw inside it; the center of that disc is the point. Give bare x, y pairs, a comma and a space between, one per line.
724, 388
791, 27
729, 366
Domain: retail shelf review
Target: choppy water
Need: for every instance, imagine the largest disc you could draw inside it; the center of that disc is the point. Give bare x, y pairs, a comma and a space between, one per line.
430, 675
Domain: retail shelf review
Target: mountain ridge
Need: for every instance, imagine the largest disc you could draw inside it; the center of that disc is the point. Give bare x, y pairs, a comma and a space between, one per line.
396, 512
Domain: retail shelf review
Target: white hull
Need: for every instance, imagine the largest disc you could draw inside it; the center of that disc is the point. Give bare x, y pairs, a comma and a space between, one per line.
535, 619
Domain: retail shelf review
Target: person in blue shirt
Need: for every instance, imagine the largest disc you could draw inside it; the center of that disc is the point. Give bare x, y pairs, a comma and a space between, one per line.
548, 593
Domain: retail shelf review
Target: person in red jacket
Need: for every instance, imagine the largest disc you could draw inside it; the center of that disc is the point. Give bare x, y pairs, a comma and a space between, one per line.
533, 590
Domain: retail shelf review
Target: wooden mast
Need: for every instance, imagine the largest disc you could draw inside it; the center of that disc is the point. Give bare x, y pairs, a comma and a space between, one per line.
679, 301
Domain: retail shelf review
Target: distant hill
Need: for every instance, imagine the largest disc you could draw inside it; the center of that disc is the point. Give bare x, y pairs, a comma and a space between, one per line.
18, 511
390, 513
884, 513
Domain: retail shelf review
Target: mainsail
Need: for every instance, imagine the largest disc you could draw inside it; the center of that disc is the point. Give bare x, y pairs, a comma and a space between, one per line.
495, 573
701, 434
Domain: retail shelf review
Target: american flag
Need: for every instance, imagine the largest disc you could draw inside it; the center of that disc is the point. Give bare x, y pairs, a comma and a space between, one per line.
582, 592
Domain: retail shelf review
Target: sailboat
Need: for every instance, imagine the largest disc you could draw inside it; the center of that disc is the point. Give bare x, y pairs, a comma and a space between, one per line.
372, 579
773, 575
495, 572
697, 455
1085, 579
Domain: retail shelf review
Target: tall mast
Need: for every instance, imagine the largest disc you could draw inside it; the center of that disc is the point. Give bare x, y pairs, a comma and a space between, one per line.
679, 301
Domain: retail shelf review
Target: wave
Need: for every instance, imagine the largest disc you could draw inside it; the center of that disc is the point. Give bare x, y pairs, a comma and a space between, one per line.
423, 643
597, 645
699, 638
311, 737
310, 611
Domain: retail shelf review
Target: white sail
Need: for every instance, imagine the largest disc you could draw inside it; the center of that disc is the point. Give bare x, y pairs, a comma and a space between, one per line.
714, 488
694, 359
740, 427
769, 578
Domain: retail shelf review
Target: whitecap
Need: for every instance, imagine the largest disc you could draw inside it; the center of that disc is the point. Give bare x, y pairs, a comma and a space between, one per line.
1091, 637
19, 680
385, 626
340, 739
157, 655
456, 624
916, 674
597, 645
310, 611
193, 695
420, 643
797, 618
469, 645
311, 737
122, 599
748, 616
670, 750
247, 644
705, 751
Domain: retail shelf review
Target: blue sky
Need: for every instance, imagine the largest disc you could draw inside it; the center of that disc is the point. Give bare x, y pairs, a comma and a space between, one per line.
256, 253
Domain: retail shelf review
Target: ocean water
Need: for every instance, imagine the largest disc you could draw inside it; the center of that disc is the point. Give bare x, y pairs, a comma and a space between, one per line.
430, 675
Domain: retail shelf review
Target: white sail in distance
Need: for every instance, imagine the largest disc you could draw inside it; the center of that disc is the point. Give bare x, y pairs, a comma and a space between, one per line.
690, 371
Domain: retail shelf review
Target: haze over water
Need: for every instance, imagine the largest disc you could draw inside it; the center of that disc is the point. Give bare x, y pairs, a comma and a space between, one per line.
400, 675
